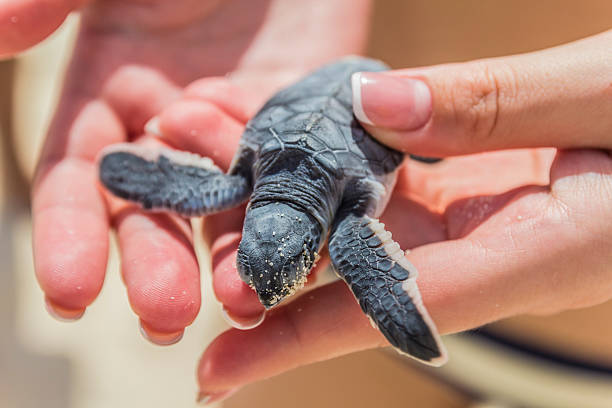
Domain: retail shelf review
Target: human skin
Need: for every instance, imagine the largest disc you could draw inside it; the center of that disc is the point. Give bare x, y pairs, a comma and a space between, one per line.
493, 235
132, 59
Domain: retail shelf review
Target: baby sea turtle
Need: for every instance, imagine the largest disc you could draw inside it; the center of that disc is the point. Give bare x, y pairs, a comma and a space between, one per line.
309, 171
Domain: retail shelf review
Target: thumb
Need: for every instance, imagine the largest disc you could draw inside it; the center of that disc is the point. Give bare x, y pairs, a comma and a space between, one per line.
560, 97
24, 23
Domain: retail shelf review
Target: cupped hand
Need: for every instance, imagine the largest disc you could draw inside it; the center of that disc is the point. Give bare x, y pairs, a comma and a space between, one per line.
493, 234
131, 60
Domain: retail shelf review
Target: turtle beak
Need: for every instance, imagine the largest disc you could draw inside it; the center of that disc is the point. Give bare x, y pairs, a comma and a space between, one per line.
272, 291
269, 301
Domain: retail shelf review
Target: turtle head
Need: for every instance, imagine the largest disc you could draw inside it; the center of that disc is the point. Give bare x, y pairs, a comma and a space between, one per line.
277, 251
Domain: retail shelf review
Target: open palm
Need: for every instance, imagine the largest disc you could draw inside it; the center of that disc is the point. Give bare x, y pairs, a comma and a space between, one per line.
493, 235
131, 60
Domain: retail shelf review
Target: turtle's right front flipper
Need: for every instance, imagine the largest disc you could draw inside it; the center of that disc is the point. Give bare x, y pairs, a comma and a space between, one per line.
384, 283
163, 179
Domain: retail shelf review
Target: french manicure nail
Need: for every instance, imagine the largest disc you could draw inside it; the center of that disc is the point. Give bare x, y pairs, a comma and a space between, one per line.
390, 101
152, 127
62, 314
242, 323
204, 398
356, 81
160, 339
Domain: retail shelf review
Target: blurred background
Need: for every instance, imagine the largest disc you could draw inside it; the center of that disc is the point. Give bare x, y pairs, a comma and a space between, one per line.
102, 361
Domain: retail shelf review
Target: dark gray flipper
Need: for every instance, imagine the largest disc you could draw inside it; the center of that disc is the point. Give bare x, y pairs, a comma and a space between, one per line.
384, 283
164, 179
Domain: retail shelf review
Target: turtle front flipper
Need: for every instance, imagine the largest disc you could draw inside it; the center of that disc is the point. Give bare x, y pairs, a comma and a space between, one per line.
384, 283
164, 179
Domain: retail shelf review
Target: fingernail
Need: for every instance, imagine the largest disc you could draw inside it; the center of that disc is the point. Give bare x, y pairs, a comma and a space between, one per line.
63, 314
390, 101
243, 323
204, 398
152, 127
159, 338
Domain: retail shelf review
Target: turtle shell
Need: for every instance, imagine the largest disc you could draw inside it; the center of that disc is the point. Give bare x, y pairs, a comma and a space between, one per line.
315, 116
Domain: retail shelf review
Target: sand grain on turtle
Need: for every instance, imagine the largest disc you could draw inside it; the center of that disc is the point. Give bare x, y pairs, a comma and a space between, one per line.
311, 174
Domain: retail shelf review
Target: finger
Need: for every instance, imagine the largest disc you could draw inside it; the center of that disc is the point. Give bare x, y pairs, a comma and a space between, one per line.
160, 272
550, 244
472, 175
24, 23
70, 222
159, 267
240, 304
201, 127
314, 327
232, 99
138, 93
557, 97
69, 214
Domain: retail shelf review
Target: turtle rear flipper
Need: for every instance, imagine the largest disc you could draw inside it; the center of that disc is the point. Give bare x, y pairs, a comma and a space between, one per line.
164, 179
384, 283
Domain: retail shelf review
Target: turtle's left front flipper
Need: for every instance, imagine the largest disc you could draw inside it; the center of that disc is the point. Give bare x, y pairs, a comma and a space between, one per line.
164, 179
384, 283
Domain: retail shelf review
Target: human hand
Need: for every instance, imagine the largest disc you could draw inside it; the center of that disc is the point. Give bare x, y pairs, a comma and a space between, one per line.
494, 234
131, 60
